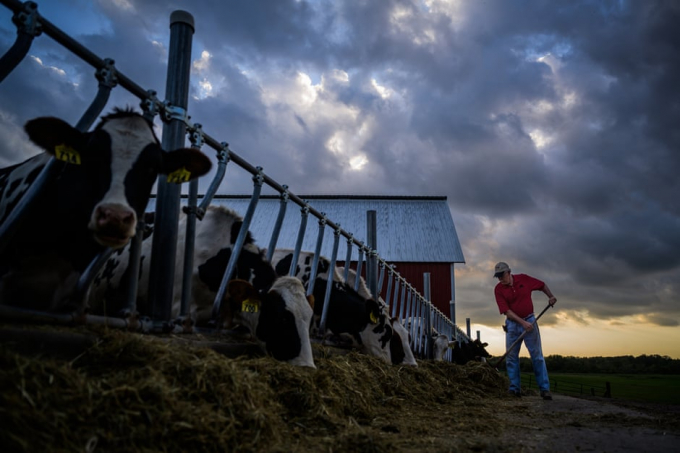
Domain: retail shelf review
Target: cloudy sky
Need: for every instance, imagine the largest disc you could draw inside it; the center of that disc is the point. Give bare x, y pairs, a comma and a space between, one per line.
551, 126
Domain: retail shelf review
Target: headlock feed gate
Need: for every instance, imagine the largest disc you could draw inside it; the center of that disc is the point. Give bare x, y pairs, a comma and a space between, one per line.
405, 302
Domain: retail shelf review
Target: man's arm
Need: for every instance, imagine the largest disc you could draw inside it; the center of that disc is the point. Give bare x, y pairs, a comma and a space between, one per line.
552, 300
519, 320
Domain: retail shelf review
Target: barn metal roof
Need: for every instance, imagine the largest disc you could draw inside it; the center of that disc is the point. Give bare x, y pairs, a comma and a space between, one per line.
409, 229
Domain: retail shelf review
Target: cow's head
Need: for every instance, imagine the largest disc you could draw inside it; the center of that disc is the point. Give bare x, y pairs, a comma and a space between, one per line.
279, 318
121, 159
399, 345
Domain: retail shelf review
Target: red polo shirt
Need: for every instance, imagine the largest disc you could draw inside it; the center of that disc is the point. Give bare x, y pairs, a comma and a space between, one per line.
517, 297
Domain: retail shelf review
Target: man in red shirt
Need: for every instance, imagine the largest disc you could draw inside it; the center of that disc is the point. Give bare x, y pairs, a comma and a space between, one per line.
513, 296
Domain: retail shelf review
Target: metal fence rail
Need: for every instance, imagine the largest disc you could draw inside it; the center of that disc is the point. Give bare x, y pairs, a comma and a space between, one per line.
402, 296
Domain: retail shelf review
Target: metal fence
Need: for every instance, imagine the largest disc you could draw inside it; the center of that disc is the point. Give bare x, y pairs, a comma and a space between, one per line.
405, 301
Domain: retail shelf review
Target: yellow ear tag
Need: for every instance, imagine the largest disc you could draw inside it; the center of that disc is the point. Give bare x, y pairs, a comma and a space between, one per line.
179, 176
250, 307
67, 154
373, 319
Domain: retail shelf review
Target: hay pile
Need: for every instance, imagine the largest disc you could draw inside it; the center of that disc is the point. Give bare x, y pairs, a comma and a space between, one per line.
130, 392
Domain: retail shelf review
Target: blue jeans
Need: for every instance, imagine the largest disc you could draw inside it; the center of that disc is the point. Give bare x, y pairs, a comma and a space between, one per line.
532, 340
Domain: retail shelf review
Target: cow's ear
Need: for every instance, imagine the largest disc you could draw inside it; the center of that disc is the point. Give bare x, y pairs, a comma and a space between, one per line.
240, 290
310, 299
451, 343
191, 162
372, 311
49, 133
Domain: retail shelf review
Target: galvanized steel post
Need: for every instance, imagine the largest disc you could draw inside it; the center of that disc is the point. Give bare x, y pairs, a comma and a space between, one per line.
371, 262
388, 294
381, 275
222, 161
304, 213
283, 205
452, 303
317, 253
402, 313
360, 263
329, 285
428, 328
28, 27
164, 246
107, 80
191, 210
348, 257
258, 179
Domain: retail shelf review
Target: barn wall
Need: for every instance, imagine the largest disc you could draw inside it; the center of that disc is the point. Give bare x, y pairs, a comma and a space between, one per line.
440, 281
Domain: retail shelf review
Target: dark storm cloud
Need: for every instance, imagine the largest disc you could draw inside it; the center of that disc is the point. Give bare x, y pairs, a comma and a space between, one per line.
592, 209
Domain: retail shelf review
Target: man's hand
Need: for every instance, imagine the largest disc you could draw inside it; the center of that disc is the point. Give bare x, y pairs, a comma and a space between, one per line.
552, 301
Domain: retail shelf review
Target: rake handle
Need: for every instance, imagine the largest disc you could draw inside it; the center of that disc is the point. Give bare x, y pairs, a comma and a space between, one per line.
520, 338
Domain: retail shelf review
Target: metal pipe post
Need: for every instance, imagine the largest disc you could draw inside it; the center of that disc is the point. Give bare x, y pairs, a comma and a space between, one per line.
402, 313
222, 161
133, 276
191, 210
388, 294
371, 264
107, 80
283, 205
164, 246
360, 263
381, 275
428, 324
238, 245
28, 27
452, 303
329, 285
304, 212
315, 260
348, 257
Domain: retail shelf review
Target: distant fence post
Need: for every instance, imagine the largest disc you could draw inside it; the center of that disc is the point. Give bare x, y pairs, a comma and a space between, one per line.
608, 390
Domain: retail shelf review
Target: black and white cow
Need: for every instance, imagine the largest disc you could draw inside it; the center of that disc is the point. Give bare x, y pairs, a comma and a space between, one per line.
440, 342
463, 352
215, 237
400, 351
278, 319
348, 313
93, 203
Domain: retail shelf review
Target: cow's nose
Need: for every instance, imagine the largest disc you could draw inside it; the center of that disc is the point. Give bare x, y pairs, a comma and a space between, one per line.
107, 215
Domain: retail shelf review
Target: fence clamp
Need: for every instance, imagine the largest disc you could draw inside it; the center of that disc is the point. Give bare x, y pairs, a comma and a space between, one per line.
350, 239
106, 75
27, 20
323, 220
223, 153
150, 104
173, 112
258, 179
285, 195
196, 135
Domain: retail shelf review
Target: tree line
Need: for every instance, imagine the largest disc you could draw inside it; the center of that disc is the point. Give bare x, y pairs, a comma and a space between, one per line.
627, 364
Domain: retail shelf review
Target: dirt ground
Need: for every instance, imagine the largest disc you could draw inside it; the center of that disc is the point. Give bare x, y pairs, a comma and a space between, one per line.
72, 391
529, 424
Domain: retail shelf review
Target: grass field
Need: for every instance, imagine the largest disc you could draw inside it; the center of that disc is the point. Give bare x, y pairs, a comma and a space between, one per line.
639, 387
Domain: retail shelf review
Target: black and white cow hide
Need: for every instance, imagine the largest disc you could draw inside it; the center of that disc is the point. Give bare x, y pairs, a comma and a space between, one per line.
400, 351
348, 312
93, 203
215, 236
279, 319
